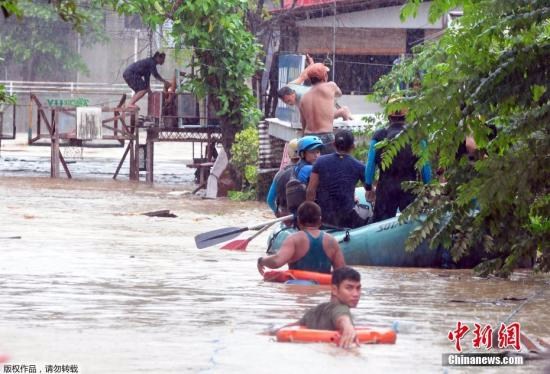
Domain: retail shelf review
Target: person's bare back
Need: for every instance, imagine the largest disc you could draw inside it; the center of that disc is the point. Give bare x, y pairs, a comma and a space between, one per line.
317, 108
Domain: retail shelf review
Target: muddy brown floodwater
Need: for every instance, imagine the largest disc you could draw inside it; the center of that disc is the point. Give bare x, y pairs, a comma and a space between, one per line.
93, 283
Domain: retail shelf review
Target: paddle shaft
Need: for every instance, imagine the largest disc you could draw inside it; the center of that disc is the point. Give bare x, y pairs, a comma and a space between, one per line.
269, 223
260, 231
214, 237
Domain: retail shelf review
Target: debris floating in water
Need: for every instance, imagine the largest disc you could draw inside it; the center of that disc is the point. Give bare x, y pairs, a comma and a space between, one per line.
160, 213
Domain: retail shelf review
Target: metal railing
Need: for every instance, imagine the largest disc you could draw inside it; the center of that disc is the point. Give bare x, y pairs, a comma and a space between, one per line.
26, 87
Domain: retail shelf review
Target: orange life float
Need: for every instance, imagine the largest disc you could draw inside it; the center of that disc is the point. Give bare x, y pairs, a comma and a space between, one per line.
283, 276
302, 334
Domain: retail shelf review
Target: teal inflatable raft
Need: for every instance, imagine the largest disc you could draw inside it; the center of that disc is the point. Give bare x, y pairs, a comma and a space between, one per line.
378, 244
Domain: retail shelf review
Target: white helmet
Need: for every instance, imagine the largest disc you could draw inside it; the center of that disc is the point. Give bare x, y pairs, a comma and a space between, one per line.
292, 148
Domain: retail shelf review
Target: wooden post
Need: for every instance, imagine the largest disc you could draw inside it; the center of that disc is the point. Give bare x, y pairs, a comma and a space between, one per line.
122, 161
132, 146
29, 125
136, 152
151, 134
115, 125
54, 169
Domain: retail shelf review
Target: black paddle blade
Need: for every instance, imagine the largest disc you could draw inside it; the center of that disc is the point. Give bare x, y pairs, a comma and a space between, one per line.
218, 236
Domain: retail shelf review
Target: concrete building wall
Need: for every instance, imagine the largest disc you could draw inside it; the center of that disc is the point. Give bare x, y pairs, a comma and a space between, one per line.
384, 17
353, 41
126, 44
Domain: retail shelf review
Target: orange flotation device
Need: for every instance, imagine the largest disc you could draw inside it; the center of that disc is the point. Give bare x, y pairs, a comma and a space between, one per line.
302, 334
283, 276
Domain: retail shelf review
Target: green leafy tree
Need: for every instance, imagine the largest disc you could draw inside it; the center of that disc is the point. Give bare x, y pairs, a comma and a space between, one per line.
5, 98
487, 77
43, 44
245, 156
67, 10
226, 53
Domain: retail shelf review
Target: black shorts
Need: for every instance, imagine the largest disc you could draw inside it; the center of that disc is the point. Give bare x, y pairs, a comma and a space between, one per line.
136, 82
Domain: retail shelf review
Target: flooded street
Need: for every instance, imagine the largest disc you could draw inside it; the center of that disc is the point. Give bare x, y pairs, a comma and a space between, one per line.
94, 283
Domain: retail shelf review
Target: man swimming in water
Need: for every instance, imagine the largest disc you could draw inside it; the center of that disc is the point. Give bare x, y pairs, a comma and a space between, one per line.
309, 249
335, 314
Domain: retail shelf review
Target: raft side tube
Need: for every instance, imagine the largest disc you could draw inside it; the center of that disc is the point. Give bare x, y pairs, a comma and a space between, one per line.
378, 244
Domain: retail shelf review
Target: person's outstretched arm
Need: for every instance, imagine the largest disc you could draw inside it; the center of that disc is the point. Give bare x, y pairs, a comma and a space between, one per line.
156, 74
303, 120
272, 197
337, 90
280, 258
337, 258
426, 168
303, 75
370, 168
348, 336
311, 191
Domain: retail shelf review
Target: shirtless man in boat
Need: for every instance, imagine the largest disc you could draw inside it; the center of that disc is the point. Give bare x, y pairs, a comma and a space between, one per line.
317, 108
310, 249
335, 314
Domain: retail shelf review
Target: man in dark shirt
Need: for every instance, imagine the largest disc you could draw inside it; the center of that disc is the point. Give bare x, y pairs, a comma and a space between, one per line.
389, 193
335, 314
138, 74
333, 180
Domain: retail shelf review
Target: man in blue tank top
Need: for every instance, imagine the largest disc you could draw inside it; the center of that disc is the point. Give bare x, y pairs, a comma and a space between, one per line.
309, 249
333, 180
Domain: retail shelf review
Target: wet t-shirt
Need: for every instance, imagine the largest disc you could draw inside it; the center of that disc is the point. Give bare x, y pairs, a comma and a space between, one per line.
300, 91
338, 176
324, 316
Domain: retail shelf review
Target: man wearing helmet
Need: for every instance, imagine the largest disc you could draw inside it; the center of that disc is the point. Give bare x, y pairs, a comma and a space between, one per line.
389, 194
303, 153
309, 149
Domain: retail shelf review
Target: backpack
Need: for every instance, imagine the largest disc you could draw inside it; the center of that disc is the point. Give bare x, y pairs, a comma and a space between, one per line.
403, 164
282, 179
295, 191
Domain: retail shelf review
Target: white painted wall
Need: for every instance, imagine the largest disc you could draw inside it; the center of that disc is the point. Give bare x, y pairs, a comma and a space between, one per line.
387, 18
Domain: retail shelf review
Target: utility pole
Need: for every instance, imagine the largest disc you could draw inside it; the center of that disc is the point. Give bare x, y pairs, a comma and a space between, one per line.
136, 41
334, 41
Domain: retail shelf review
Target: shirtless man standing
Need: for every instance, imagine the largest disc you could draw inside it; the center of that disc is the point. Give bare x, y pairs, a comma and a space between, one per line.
292, 93
317, 109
